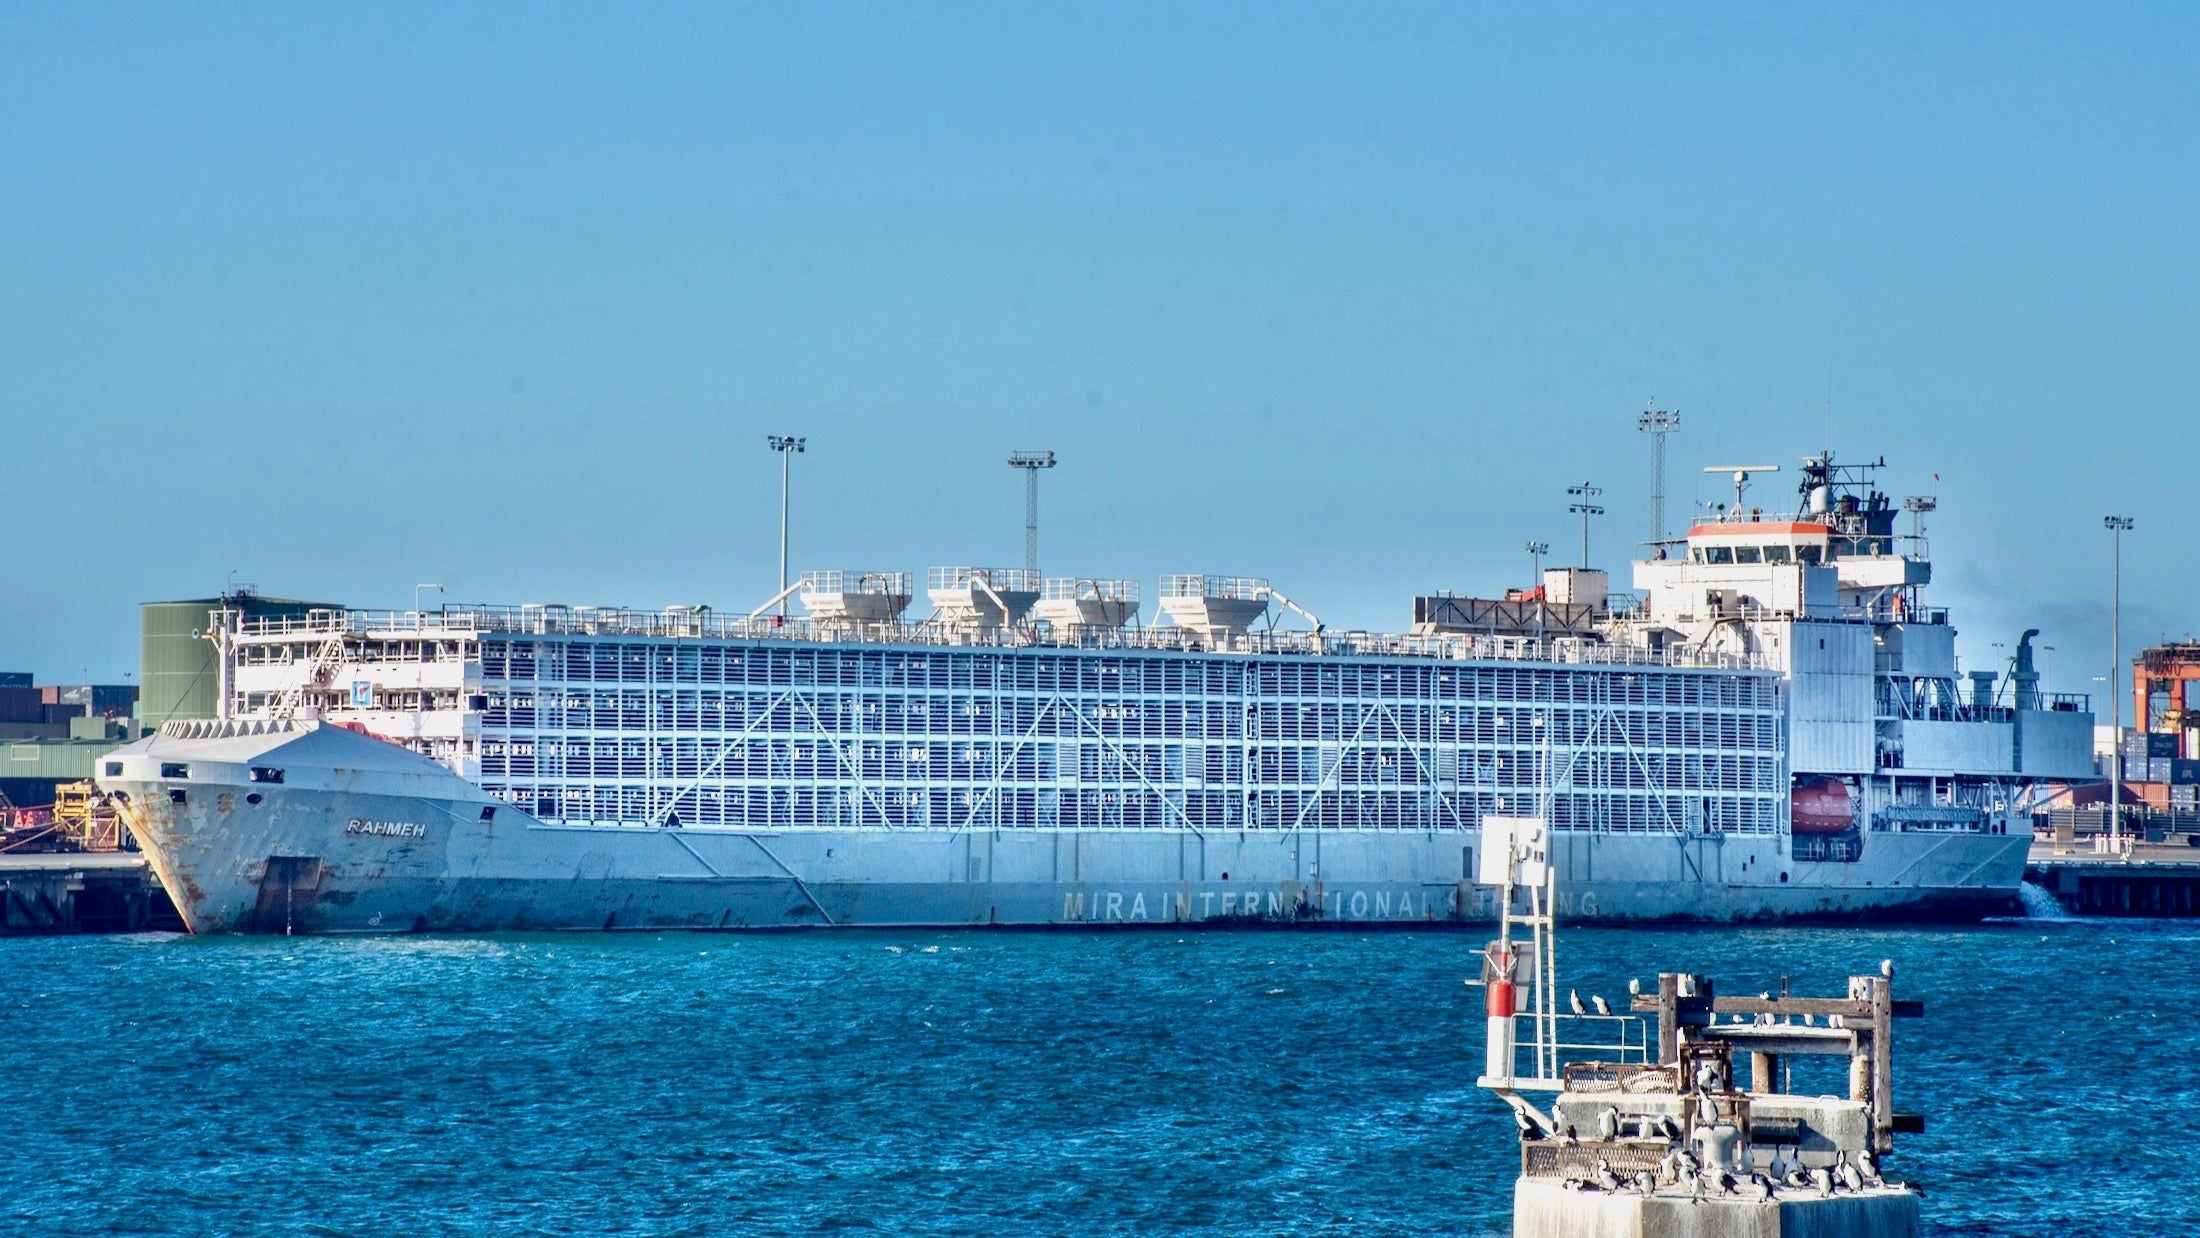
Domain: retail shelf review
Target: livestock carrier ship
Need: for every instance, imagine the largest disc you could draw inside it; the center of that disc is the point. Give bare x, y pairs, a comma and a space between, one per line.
1774, 728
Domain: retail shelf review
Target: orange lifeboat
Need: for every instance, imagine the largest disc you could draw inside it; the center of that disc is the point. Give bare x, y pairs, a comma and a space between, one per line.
1821, 805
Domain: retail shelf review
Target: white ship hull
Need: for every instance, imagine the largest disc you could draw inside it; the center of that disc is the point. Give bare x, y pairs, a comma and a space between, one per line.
362, 855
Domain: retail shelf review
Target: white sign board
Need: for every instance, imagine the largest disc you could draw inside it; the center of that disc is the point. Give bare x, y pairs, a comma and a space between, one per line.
1515, 845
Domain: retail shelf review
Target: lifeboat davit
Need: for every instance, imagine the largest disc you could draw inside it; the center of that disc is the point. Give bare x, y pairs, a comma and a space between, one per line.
1821, 805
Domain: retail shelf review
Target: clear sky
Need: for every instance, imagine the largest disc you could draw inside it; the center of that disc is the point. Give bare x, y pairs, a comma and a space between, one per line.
342, 298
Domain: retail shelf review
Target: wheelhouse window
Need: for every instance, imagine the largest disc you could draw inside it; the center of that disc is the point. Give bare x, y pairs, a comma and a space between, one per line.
1748, 554
265, 773
174, 769
1777, 554
1718, 554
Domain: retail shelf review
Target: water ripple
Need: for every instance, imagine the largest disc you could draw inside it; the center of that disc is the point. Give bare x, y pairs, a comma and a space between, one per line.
1217, 1083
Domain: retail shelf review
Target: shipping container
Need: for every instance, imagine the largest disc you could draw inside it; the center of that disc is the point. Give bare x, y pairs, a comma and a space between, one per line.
2150, 744
21, 704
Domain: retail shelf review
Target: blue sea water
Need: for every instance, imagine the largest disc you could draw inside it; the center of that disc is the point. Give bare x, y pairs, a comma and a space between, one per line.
1215, 1082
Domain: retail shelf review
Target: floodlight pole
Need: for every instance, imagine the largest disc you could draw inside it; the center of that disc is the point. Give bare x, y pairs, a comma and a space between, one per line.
1657, 423
2117, 526
786, 446
1581, 506
1536, 551
1031, 462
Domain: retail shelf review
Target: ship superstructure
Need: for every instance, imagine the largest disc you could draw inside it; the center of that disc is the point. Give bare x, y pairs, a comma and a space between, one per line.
1886, 735
1743, 744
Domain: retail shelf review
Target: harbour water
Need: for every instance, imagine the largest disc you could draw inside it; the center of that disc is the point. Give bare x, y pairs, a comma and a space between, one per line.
950, 1082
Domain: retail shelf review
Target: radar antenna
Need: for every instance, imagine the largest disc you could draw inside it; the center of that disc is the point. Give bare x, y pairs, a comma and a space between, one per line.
1741, 474
1917, 505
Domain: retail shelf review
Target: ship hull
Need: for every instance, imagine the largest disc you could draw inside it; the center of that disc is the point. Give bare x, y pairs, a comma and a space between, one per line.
342, 859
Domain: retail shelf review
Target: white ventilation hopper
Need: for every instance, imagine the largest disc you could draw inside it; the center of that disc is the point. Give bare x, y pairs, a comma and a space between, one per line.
851, 597
1215, 607
1079, 602
982, 597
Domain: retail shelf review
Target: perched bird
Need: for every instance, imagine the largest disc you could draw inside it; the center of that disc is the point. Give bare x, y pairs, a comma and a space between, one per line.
1598, 1004
1634, 987
1851, 1176
1823, 1180
1707, 1109
1608, 1124
1606, 1179
1565, 1131
1868, 1166
1725, 1182
1886, 968
1529, 1131
1707, 1078
1670, 1125
1783, 1164
1573, 997
1798, 1178
1759, 1188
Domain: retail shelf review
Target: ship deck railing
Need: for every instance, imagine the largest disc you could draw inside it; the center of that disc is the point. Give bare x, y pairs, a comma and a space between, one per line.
700, 623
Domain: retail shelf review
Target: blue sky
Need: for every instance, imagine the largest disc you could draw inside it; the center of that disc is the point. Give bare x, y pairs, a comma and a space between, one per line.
345, 298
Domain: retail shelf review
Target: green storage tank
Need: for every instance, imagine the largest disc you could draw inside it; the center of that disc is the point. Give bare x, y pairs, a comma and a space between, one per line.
176, 671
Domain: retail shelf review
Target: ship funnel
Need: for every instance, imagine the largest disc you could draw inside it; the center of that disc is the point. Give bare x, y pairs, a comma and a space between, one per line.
1073, 602
982, 597
2024, 677
1218, 608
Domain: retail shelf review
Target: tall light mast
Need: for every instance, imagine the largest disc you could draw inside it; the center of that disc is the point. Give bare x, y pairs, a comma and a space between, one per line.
2117, 526
1582, 507
786, 446
1031, 462
1657, 423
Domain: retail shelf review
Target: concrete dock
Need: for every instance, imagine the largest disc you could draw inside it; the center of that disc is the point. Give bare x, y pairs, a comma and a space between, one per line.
81, 892
2148, 880
1543, 1208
